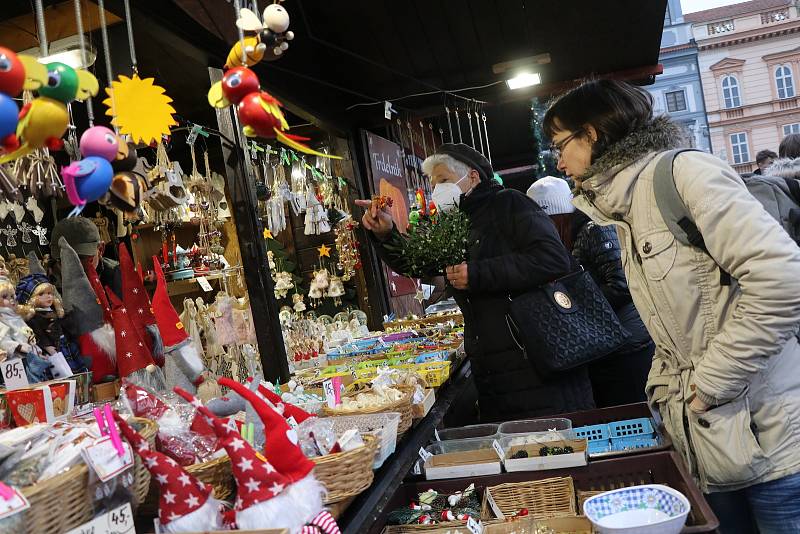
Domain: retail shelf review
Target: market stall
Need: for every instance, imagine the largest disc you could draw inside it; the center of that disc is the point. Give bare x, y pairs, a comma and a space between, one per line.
251, 326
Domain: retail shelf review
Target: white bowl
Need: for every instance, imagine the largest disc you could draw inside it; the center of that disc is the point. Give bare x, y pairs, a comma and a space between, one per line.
648, 509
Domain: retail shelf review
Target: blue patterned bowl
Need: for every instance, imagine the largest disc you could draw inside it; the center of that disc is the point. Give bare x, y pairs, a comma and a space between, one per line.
649, 509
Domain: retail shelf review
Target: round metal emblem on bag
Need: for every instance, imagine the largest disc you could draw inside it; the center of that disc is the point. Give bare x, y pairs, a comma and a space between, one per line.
562, 299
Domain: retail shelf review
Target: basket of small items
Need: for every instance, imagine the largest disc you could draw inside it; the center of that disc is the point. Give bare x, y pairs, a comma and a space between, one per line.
379, 399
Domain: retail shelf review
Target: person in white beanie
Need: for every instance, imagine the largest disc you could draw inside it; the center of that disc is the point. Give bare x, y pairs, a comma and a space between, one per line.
618, 378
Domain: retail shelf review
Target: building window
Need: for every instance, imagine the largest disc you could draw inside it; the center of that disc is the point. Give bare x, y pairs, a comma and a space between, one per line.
778, 15
730, 92
676, 101
791, 129
784, 82
724, 26
741, 152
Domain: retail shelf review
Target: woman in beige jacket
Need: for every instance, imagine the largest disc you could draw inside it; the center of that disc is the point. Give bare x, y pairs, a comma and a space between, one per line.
726, 371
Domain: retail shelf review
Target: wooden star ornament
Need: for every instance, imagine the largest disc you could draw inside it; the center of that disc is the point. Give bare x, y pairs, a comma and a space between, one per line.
324, 250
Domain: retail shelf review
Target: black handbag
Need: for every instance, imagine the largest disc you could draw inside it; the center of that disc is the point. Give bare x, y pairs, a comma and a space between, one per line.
565, 323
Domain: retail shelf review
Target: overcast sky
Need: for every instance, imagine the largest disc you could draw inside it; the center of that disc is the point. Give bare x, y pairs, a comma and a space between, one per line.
690, 6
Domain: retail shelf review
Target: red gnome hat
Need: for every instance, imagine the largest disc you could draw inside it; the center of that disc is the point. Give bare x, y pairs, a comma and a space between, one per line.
133, 293
169, 324
256, 479
280, 445
287, 409
97, 286
133, 357
186, 504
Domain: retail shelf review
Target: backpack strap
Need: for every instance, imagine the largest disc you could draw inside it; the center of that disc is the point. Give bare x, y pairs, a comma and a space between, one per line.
674, 212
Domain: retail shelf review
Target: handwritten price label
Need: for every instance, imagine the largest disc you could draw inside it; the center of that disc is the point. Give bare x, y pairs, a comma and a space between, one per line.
105, 460
14, 374
474, 526
14, 504
203, 281
116, 521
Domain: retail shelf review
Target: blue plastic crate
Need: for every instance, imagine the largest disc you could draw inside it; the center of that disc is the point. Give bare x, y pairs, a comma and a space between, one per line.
633, 442
593, 432
631, 427
598, 447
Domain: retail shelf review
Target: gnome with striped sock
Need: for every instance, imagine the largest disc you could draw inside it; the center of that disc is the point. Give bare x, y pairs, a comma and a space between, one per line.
185, 504
279, 491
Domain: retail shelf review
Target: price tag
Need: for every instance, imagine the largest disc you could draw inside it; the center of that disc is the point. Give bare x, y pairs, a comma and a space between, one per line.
417, 468
116, 521
14, 374
105, 461
498, 449
13, 503
436, 435
203, 281
330, 393
425, 455
474, 526
292, 422
333, 391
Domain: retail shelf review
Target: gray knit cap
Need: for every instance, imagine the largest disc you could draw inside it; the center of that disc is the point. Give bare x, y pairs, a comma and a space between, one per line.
81, 234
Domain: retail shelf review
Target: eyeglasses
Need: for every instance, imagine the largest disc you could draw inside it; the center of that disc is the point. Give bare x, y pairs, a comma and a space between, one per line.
556, 148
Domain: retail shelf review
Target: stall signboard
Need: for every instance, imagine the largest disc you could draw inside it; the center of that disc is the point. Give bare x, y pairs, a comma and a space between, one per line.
389, 179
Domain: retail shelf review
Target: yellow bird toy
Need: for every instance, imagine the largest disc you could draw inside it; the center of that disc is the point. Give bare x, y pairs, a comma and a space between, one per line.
43, 121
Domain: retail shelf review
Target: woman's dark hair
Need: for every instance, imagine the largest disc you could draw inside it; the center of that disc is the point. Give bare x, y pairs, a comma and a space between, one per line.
612, 107
563, 224
790, 146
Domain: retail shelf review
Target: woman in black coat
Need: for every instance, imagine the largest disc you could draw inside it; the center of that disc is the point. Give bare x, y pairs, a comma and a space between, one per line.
513, 247
618, 378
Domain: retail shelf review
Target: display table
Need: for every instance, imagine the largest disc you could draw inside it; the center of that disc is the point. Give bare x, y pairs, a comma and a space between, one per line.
366, 512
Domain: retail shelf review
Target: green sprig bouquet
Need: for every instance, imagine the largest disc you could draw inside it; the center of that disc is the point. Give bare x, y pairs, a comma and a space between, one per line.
436, 241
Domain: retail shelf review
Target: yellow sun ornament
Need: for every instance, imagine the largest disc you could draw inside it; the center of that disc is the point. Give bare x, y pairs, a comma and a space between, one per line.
141, 109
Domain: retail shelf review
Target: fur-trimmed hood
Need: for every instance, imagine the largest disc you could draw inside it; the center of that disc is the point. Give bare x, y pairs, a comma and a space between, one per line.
784, 168
656, 136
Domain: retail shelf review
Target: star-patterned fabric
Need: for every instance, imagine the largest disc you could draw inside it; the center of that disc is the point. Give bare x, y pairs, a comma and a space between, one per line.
132, 353
133, 293
281, 442
257, 481
181, 493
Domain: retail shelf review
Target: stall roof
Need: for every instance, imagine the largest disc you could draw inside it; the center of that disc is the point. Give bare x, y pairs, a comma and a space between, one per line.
366, 51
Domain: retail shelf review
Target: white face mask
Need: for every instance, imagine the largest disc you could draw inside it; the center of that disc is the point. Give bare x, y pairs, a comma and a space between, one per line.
447, 195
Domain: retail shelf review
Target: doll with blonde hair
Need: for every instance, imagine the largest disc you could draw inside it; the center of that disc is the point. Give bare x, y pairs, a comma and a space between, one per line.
17, 339
40, 306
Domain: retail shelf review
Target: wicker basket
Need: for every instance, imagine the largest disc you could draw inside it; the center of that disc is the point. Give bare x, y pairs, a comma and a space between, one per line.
346, 474
141, 476
217, 473
402, 406
58, 504
382, 425
549, 497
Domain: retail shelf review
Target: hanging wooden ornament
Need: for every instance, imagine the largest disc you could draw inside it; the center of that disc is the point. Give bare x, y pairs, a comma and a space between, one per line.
349, 258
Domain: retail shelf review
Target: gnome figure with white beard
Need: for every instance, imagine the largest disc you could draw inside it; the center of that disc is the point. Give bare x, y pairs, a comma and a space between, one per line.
183, 367
280, 492
87, 318
185, 504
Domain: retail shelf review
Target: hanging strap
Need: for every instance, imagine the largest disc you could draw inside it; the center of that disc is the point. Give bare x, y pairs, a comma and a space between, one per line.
673, 210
